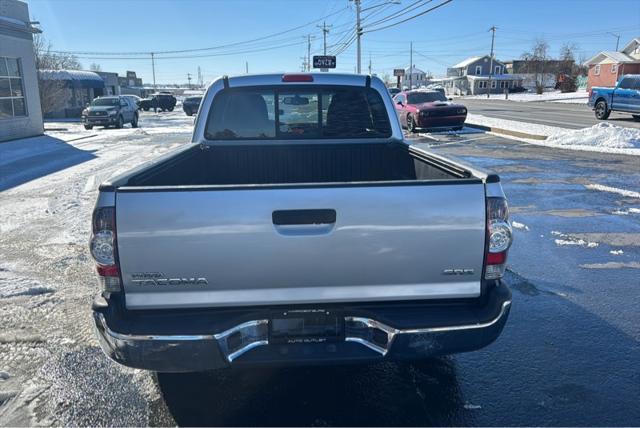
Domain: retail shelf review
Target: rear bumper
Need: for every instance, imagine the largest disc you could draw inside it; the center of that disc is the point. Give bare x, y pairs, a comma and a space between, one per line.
171, 341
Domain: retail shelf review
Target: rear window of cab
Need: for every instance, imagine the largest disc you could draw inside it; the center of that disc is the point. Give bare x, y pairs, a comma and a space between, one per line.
297, 112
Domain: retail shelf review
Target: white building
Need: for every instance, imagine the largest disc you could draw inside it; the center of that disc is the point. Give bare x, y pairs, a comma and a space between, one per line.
20, 113
414, 78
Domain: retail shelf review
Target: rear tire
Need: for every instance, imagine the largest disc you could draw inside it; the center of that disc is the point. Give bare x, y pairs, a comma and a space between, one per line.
89, 127
145, 108
134, 122
602, 111
411, 124
170, 109
119, 123
636, 116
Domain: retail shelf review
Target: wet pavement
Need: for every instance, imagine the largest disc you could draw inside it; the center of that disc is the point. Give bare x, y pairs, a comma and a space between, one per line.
568, 355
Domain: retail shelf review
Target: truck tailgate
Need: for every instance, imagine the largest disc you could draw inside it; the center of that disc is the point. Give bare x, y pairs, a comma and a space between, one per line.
291, 245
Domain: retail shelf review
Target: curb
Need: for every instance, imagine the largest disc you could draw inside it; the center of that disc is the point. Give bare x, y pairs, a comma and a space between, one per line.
507, 132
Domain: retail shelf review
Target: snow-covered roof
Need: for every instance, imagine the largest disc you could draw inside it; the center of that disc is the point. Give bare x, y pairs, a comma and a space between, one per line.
467, 61
631, 45
413, 70
69, 75
18, 24
619, 57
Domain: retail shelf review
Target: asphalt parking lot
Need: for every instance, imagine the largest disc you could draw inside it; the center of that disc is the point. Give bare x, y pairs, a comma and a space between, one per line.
571, 116
568, 355
565, 357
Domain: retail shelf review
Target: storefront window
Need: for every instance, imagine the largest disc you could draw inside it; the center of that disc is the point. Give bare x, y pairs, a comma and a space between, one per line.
12, 103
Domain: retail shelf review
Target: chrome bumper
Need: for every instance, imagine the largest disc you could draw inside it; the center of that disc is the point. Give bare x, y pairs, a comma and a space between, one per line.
175, 353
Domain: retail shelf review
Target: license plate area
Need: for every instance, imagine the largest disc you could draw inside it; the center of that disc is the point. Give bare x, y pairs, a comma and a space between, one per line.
306, 326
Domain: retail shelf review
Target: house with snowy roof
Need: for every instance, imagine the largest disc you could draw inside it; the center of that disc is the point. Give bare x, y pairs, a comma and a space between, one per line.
479, 75
415, 78
606, 68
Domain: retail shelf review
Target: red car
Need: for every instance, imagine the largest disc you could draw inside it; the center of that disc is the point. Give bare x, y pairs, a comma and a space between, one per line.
429, 110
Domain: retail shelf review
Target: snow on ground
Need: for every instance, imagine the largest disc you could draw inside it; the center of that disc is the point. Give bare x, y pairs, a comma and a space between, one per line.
579, 97
623, 192
48, 188
564, 240
603, 137
521, 226
512, 125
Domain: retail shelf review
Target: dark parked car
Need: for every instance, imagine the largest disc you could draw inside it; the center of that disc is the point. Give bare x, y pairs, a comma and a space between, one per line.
162, 101
394, 91
107, 111
190, 105
136, 99
429, 110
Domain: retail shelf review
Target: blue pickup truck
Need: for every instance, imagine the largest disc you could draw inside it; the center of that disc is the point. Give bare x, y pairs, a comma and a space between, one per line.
625, 97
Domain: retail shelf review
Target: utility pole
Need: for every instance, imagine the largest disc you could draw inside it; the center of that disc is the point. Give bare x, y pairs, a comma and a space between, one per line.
493, 36
189, 79
358, 35
410, 65
325, 31
199, 77
309, 52
617, 36
246, 67
153, 68
370, 64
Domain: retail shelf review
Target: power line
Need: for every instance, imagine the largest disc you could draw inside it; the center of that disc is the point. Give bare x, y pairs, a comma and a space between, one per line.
207, 48
401, 12
411, 17
199, 56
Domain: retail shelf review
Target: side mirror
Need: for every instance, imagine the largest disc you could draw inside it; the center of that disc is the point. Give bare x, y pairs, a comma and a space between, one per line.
399, 103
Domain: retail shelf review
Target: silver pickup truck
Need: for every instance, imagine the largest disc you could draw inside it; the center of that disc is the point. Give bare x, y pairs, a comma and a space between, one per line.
298, 228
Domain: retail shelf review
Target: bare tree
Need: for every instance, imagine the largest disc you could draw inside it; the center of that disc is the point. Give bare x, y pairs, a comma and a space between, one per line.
51, 90
95, 67
536, 62
567, 70
47, 59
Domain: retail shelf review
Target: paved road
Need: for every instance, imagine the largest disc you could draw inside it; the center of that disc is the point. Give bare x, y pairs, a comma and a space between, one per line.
568, 355
572, 116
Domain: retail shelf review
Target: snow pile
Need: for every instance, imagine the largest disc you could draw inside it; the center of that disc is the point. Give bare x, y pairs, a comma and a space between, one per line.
604, 135
565, 239
517, 225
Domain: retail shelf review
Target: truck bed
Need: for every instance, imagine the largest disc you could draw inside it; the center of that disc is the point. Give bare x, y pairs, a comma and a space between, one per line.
260, 164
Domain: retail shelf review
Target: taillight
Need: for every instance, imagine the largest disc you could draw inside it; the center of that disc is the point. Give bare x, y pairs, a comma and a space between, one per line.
297, 78
103, 248
499, 237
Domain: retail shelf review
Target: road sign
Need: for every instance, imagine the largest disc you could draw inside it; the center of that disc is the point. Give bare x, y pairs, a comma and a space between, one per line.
324, 61
399, 72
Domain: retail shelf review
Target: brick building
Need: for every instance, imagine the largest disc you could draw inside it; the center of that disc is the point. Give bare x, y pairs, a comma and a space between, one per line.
608, 66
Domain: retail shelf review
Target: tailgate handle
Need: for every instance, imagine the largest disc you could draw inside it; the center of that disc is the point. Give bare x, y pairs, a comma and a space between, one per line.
293, 217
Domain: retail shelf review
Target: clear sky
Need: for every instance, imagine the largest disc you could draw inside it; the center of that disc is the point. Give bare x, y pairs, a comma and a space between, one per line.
440, 38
